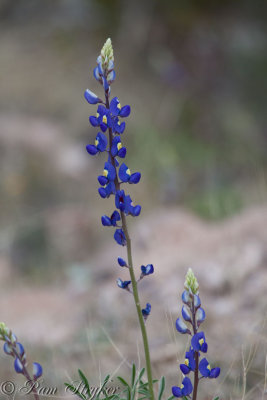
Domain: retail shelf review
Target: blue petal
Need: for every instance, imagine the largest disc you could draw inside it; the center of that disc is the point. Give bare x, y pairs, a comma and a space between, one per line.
125, 111
120, 238
123, 284
113, 107
105, 84
186, 297
135, 178
105, 220
181, 326
93, 120
146, 311
7, 348
103, 180
37, 370
122, 152
203, 367
18, 366
188, 387
136, 211
124, 177
102, 192
197, 301
115, 217
200, 315
185, 369
20, 349
122, 262
215, 372
186, 314
103, 141
91, 97
120, 128
111, 76
176, 391
91, 149
96, 74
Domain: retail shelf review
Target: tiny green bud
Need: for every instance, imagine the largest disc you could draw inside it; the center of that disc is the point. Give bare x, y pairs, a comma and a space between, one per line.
4, 331
191, 283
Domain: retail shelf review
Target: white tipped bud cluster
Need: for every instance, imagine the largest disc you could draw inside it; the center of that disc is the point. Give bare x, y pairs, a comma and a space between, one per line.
106, 58
4, 331
191, 283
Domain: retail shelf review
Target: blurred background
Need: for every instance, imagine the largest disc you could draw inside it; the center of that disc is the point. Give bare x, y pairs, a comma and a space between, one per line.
194, 73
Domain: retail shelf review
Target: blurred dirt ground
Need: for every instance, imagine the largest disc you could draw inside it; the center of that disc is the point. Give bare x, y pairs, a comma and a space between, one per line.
85, 321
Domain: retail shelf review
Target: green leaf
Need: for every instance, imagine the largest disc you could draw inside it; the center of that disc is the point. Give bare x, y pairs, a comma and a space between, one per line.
74, 390
217, 398
133, 374
171, 398
123, 381
85, 381
161, 387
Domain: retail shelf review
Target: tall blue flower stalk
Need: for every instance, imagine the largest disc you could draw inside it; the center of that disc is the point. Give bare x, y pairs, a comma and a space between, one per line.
192, 317
109, 119
16, 350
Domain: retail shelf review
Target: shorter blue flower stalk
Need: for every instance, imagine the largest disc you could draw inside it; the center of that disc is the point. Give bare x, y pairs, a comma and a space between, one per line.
16, 350
192, 317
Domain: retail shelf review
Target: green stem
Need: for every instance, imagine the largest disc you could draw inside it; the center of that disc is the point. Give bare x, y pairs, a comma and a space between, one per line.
132, 274
138, 307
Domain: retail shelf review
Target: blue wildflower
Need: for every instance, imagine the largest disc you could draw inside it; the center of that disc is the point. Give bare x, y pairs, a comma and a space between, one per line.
120, 238
189, 363
107, 190
186, 297
181, 326
122, 262
186, 314
126, 176
37, 370
18, 366
112, 221
91, 97
146, 270
117, 149
123, 284
198, 342
109, 174
101, 119
117, 110
185, 389
146, 311
207, 371
200, 316
124, 203
99, 146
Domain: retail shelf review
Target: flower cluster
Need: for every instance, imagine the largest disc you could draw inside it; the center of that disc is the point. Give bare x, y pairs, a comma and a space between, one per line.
15, 349
109, 119
193, 315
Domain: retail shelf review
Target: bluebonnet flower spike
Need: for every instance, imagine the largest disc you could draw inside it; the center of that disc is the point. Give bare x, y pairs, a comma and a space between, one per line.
16, 350
194, 315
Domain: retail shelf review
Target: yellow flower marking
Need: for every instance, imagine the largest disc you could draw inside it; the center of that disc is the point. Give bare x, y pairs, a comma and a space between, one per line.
104, 119
105, 173
96, 142
128, 172
119, 106
186, 361
119, 146
201, 341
